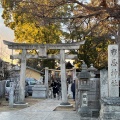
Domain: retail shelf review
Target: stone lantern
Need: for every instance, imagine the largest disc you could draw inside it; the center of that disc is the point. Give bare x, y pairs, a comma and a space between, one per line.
84, 87
94, 92
14, 72
14, 85
92, 70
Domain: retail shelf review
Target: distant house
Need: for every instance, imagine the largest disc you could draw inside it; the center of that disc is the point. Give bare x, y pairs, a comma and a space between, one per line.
30, 72
33, 73
4, 69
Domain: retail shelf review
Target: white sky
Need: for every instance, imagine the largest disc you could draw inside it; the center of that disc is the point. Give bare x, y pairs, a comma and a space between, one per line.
5, 34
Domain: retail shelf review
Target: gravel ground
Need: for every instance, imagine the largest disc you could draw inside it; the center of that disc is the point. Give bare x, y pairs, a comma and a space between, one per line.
4, 105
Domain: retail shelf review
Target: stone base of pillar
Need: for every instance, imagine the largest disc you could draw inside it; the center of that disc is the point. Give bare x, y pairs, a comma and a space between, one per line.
85, 113
20, 105
64, 107
94, 106
65, 104
110, 108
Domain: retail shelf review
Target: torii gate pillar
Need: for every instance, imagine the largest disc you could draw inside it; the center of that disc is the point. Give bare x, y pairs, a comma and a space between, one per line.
46, 80
22, 78
63, 78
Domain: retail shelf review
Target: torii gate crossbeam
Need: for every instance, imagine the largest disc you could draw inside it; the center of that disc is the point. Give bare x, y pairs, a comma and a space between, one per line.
28, 46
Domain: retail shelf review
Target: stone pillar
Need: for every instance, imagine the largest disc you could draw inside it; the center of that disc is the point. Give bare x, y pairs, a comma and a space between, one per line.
22, 78
11, 94
77, 94
63, 78
74, 73
46, 80
113, 71
103, 83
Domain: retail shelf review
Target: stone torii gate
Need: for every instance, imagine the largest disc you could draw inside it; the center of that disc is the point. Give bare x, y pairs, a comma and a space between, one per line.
42, 54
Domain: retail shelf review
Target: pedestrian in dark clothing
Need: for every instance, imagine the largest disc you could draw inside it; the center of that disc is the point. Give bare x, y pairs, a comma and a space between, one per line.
59, 89
73, 89
54, 85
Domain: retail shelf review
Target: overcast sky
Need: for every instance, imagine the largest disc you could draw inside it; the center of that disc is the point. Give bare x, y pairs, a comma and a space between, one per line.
5, 34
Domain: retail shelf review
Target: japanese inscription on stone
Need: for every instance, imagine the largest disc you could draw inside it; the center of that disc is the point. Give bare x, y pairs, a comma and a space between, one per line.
84, 99
113, 71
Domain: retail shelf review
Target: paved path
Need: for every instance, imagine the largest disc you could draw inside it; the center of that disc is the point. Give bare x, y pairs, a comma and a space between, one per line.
43, 110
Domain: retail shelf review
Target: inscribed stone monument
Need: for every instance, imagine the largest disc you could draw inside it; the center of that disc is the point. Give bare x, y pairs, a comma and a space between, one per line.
113, 71
110, 106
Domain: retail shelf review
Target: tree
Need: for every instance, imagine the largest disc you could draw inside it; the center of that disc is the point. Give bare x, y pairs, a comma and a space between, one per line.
94, 51
98, 18
40, 64
41, 13
27, 29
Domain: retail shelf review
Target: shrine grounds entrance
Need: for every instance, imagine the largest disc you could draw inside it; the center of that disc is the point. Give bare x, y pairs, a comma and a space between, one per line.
42, 48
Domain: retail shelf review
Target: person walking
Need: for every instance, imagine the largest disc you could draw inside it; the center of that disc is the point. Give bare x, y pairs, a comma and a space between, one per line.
59, 89
73, 89
54, 86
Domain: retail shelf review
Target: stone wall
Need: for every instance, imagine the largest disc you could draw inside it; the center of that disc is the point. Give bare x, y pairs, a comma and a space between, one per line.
2, 88
94, 96
110, 108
